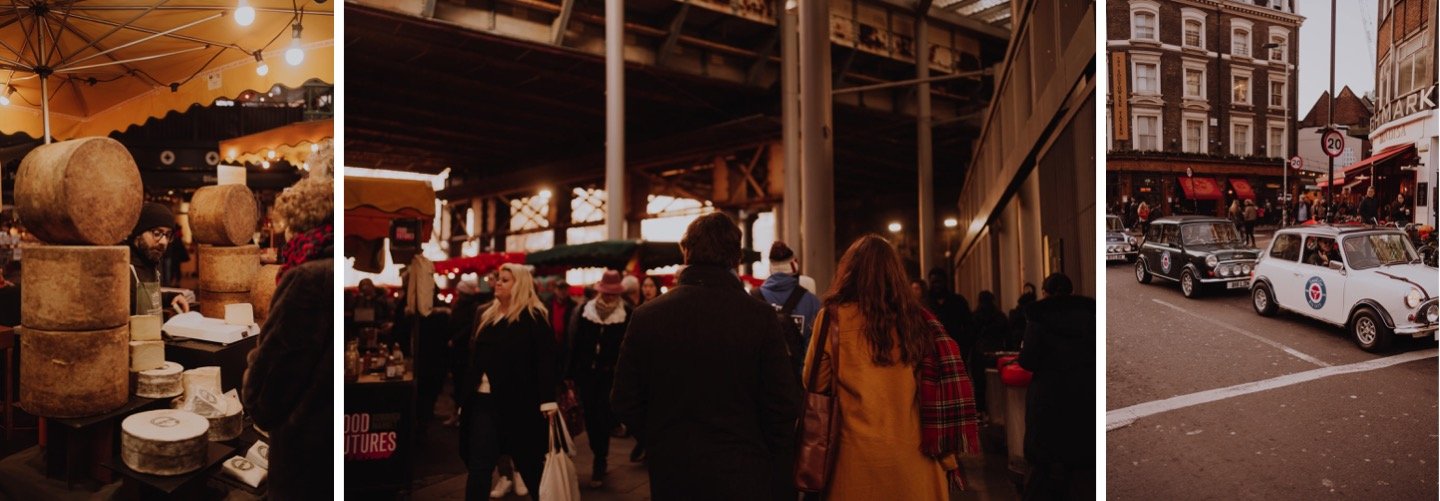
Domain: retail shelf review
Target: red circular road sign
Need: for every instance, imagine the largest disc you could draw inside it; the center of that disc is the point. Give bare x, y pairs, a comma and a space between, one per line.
1296, 162
1333, 143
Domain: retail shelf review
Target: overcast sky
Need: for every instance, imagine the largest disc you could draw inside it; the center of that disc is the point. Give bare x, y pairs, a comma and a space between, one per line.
1354, 50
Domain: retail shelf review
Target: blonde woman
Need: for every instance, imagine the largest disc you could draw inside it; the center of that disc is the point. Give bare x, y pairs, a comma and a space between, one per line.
509, 386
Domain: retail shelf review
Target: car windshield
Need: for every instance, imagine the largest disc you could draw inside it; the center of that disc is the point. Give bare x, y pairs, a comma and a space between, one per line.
1377, 249
1209, 233
1112, 223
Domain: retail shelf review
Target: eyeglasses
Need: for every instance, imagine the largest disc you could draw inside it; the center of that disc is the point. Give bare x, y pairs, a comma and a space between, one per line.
162, 234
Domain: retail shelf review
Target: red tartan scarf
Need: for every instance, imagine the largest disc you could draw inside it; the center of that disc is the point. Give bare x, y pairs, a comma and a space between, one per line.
949, 423
306, 246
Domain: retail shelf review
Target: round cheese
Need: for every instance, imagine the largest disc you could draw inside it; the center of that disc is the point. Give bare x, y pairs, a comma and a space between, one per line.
226, 427
223, 215
160, 383
164, 442
263, 290
212, 304
75, 288
85, 191
70, 374
228, 269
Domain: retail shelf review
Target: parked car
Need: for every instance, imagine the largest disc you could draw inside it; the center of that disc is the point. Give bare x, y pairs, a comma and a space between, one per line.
1119, 244
1199, 252
1367, 279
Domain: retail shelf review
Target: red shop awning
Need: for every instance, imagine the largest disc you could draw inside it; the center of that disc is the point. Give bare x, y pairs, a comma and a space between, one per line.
1200, 188
1393, 152
1242, 188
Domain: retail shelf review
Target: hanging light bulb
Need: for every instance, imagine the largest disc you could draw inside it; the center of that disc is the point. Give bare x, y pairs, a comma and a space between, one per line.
261, 68
5, 97
265, 164
244, 14
295, 55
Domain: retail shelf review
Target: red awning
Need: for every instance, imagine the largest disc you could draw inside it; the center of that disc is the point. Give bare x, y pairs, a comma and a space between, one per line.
1396, 151
1200, 188
1242, 188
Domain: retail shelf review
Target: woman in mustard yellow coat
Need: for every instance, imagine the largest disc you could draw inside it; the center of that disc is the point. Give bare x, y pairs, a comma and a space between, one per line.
882, 336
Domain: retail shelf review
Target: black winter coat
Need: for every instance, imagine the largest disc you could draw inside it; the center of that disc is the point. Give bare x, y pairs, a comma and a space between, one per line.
1059, 403
288, 388
705, 382
519, 358
594, 348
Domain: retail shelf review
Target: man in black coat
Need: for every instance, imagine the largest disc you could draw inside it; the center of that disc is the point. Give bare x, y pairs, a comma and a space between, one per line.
704, 380
1059, 404
1369, 207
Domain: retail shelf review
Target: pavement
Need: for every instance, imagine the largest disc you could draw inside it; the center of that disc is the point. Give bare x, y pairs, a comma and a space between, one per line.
1206, 399
440, 475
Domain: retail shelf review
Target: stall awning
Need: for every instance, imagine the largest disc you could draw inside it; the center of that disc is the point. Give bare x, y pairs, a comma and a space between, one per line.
1393, 152
1200, 188
293, 143
370, 205
1242, 188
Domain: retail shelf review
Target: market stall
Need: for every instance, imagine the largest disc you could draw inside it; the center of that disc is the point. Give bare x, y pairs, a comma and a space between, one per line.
134, 397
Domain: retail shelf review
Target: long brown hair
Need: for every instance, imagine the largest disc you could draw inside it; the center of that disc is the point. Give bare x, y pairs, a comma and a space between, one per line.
871, 277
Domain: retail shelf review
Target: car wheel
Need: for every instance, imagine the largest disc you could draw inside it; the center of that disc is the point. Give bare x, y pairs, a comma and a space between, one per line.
1262, 300
1188, 286
1141, 274
1369, 332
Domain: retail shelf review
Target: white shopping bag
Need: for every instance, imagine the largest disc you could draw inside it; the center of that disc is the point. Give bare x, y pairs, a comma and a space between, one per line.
559, 481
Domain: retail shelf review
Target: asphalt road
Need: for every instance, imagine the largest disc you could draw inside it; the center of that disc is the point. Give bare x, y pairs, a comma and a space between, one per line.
1207, 400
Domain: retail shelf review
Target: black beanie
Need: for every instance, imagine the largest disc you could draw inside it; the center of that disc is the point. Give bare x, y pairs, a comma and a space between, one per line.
153, 215
779, 252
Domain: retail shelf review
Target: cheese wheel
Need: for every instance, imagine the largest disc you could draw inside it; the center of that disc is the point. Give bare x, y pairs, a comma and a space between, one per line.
70, 374
206, 378
160, 383
226, 427
263, 290
223, 215
145, 327
146, 355
164, 442
85, 191
75, 288
228, 269
212, 304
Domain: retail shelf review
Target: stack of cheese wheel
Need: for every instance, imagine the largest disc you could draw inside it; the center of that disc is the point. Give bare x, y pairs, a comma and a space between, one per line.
164, 442
222, 220
264, 290
80, 197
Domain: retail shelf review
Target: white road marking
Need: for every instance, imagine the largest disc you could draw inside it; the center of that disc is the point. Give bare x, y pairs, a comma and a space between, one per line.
1293, 352
1123, 417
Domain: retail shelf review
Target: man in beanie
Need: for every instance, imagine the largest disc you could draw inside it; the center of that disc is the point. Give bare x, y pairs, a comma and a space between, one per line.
153, 234
796, 305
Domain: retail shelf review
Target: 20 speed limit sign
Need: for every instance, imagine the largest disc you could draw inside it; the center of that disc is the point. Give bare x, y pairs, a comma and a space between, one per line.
1333, 143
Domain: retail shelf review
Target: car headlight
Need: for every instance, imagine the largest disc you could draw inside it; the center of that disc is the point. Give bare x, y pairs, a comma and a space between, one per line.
1211, 261
1245, 269
1430, 314
1414, 297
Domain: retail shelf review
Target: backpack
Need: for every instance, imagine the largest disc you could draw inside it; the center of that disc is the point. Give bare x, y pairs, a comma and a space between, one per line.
789, 324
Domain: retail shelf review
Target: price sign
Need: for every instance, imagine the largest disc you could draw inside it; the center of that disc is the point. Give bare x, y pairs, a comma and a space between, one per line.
1333, 143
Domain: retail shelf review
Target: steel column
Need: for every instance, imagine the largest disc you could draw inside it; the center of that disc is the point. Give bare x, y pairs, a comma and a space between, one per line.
790, 135
817, 143
615, 196
924, 151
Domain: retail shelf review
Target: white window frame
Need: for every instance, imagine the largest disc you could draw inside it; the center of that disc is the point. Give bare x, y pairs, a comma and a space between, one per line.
1272, 126
1204, 139
1235, 75
1188, 14
1270, 91
1190, 66
1249, 138
1284, 49
1135, 115
1147, 59
1147, 7
1249, 27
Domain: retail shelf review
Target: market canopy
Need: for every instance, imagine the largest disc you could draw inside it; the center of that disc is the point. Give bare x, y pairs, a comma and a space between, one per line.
372, 203
1397, 151
1242, 188
293, 143
1200, 188
616, 255
116, 63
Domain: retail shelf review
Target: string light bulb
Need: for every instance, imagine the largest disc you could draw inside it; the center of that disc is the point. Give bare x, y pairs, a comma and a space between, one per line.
295, 55
244, 14
5, 97
261, 68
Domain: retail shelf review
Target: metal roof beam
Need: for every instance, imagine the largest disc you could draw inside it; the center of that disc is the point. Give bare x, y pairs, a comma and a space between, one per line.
946, 16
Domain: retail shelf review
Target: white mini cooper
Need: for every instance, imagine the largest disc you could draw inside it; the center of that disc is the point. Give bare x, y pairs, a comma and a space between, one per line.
1369, 280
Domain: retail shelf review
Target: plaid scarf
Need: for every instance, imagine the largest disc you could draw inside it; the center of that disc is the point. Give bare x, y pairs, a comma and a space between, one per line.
306, 246
949, 423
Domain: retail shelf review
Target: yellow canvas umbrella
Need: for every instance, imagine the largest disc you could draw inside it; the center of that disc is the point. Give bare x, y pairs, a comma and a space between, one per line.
71, 68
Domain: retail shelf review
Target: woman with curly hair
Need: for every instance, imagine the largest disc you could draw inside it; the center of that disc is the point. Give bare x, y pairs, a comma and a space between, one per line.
288, 387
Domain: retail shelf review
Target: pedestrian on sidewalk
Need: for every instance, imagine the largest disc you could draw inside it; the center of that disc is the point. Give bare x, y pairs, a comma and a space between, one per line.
1252, 216
508, 390
595, 346
704, 380
1369, 207
991, 326
1143, 212
795, 305
1059, 425
884, 353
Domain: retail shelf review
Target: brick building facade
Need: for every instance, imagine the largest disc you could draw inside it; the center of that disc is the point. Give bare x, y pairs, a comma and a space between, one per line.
1195, 95
1403, 129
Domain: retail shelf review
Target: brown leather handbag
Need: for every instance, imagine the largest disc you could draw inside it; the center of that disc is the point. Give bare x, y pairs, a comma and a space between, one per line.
819, 429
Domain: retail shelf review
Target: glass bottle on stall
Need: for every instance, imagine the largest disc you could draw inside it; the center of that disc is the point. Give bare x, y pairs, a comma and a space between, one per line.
352, 360
397, 358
